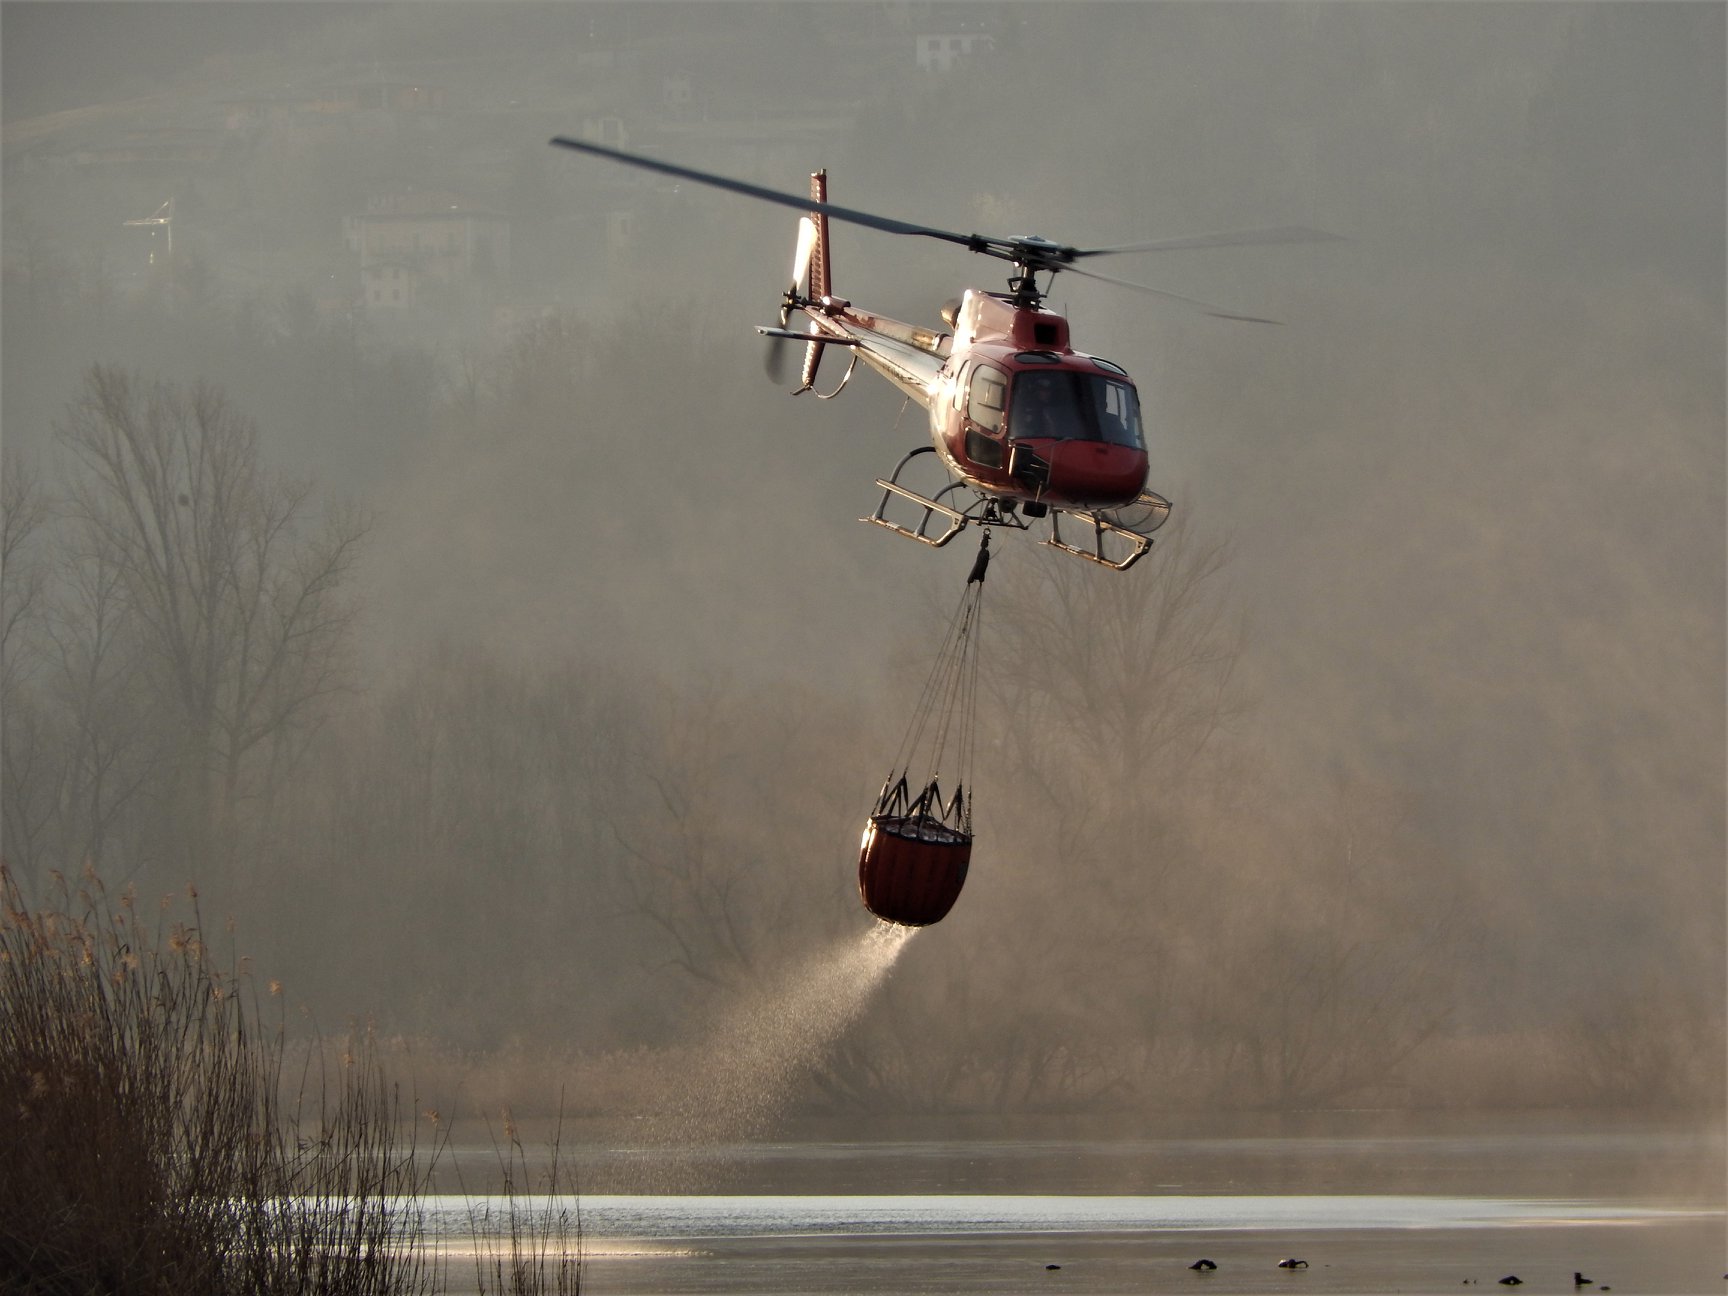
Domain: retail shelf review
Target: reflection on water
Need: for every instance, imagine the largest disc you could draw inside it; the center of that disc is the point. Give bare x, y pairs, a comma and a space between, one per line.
1374, 1203
659, 1218
1514, 1156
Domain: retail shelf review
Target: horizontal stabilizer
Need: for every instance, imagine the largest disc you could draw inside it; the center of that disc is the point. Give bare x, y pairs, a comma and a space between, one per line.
768, 330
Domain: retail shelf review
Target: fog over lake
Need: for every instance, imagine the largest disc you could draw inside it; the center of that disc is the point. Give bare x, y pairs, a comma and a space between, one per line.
405, 551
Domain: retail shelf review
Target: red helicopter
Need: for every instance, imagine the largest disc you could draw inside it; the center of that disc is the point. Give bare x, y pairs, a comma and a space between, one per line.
1025, 426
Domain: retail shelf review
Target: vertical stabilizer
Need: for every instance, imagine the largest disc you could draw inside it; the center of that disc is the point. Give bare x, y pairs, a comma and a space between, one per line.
821, 282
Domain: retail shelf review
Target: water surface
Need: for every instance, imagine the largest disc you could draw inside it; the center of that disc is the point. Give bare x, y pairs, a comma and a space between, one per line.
1373, 1203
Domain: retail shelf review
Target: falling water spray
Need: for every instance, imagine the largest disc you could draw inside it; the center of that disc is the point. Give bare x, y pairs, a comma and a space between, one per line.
739, 1079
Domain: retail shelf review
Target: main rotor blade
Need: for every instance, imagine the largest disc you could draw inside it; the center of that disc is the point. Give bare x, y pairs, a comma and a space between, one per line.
1216, 312
1235, 238
800, 202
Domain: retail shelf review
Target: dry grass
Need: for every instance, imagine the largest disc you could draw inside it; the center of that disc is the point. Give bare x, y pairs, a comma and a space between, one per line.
147, 1148
525, 1249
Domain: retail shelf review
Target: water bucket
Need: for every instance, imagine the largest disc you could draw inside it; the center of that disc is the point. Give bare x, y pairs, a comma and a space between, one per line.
911, 868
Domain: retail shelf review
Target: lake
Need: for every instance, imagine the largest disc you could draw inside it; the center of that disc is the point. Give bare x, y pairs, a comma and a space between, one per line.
1373, 1202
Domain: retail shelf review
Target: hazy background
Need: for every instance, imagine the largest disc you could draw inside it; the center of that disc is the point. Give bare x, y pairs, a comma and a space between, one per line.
1395, 774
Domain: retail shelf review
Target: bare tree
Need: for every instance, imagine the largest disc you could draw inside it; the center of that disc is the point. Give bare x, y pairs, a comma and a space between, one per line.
1103, 695
1109, 693
239, 612
26, 765
1329, 958
75, 749
1104, 685
719, 855
90, 676
22, 513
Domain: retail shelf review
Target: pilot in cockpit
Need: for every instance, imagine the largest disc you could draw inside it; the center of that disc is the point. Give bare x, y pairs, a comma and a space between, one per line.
1042, 407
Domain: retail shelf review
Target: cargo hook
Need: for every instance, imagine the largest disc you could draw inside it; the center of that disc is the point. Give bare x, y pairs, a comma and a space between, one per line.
981, 563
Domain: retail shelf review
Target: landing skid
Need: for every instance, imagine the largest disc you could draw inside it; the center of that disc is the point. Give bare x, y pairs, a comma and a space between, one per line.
936, 520
1136, 544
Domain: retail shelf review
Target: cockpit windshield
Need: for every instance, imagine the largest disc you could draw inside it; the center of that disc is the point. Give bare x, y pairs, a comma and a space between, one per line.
1065, 405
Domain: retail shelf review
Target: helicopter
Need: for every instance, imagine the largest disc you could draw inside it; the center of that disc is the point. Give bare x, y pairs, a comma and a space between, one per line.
1024, 427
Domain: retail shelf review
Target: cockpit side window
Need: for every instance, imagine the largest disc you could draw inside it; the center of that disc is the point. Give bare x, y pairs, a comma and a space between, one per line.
988, 395
1118, 412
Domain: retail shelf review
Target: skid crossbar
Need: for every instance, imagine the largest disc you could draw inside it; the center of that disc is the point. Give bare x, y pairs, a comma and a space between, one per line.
939, 523
1100, 528
954, 520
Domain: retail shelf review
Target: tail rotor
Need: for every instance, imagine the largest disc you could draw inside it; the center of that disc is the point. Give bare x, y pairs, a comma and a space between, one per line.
799, 291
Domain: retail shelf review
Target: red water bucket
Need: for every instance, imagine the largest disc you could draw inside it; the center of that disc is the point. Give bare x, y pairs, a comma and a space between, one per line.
911, 868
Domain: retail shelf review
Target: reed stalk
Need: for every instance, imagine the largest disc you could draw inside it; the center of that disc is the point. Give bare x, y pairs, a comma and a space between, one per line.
144, 1145
534, 1247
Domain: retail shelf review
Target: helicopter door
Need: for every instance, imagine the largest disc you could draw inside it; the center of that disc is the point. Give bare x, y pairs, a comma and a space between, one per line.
986, 396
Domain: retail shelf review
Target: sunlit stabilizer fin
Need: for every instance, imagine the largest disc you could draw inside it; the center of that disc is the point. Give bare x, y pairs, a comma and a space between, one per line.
801, 257
798, 290
821, 277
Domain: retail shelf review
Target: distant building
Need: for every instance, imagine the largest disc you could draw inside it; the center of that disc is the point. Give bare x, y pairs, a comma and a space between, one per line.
510, 317
333, 99
150, 151
395, 96
606, 130
388, 285
677, 94
940, 53
408, 242
250, 113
